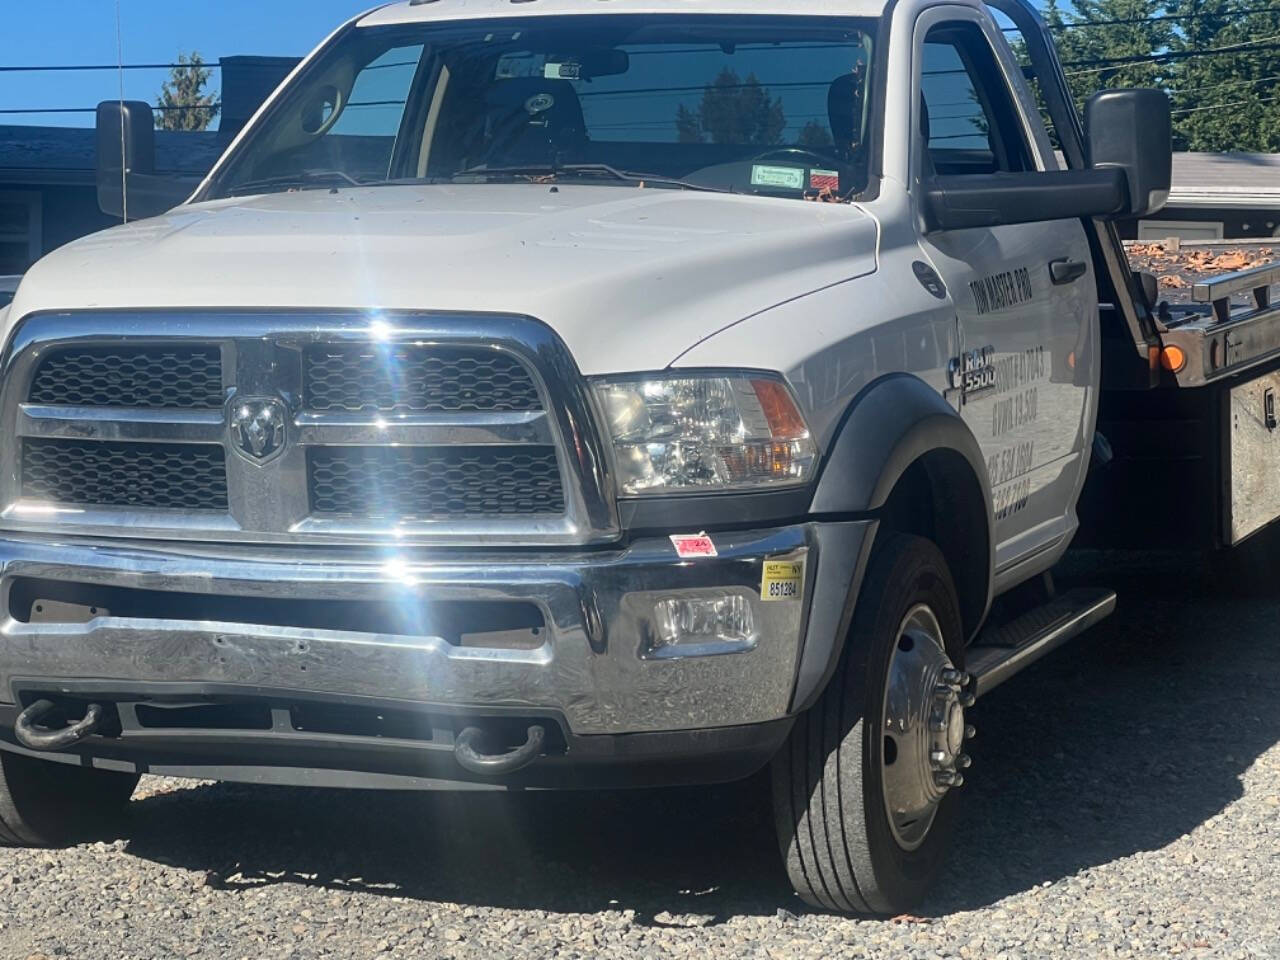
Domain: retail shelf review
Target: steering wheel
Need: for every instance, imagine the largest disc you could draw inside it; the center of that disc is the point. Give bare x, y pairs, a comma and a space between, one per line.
825, 158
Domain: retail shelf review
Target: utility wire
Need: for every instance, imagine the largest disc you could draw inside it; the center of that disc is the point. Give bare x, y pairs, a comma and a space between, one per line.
13, 110
1229, 83
1261, 44
1220, 106
1123, 21
59, 67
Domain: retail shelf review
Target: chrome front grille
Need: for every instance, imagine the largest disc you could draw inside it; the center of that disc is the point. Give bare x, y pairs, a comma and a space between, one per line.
181, 476
278, 429
151, 376
410, 379
435, 483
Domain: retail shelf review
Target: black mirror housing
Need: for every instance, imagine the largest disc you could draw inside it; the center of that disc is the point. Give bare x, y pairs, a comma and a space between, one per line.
1002, 199
126, 161
1132, 130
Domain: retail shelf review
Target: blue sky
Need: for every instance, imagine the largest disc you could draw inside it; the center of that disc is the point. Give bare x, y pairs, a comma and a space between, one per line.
42, 32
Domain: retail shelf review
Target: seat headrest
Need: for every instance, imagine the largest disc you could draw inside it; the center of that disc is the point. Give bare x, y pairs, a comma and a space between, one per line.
554, 101
844, 108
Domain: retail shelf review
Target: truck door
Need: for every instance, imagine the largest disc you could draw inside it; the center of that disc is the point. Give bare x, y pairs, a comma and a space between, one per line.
1024, 295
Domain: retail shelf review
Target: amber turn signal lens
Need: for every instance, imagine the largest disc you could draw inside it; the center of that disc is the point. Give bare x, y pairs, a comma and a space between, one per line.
1173, 359
785, 421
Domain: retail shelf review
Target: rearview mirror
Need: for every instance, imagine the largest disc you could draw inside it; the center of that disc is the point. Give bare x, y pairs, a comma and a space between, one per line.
126, 163
604, 62
1131, 130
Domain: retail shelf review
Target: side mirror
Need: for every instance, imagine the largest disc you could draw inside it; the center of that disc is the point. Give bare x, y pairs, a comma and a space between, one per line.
126, 162
962, 202
1131, 130
1130, 169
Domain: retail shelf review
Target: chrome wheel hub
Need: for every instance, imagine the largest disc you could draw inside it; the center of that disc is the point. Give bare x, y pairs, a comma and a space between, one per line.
923, 726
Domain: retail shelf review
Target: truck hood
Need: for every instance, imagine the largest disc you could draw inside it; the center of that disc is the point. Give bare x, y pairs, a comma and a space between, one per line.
630, 278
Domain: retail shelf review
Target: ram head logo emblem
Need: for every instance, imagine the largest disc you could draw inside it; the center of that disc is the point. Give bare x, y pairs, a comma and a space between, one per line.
257, 426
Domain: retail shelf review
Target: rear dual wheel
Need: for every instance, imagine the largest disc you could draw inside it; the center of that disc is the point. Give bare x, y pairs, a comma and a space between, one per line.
862, 789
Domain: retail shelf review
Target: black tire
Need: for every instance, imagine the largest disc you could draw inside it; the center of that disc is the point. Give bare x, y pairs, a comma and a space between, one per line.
44, 803
828, 799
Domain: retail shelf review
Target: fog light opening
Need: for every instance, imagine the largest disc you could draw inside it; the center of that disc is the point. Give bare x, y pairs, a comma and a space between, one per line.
702, 625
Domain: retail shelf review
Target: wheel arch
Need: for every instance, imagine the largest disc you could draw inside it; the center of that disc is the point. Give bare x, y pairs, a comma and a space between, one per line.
899, 447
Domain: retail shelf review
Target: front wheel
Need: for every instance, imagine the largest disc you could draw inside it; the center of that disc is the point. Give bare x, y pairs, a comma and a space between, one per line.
44, 803
862, 790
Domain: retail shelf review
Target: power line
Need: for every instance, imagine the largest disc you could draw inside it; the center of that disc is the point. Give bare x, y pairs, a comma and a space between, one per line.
1233, 103
57, 68
1107, 63
13, 110
1229, 83
1124, 21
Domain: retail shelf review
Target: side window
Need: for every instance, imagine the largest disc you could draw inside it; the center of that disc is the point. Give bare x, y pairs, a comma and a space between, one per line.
361, 139
968, 119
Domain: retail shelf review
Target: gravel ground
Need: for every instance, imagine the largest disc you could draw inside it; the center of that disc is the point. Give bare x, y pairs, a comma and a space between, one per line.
1125, 801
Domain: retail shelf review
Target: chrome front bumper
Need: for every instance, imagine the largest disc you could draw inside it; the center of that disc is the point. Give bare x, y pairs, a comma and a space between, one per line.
593, 668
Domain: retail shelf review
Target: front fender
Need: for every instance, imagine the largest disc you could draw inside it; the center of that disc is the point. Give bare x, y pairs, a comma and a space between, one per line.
888, 427
892, 424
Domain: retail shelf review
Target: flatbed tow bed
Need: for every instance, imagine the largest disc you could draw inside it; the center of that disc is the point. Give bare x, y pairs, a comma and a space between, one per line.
1223, 324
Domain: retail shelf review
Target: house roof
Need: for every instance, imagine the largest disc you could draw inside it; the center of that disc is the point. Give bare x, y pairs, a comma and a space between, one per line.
36, 155
1217, 180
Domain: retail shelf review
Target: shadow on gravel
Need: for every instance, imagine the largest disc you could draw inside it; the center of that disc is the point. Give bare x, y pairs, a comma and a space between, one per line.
683, 851
1124, 741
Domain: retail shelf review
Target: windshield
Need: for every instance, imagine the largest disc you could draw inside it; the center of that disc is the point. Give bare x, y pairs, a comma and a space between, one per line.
765, 105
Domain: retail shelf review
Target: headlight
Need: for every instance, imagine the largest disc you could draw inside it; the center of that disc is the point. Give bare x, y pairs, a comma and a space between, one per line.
705, 433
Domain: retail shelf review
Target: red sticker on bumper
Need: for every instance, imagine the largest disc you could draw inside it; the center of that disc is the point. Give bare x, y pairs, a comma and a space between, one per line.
690, 546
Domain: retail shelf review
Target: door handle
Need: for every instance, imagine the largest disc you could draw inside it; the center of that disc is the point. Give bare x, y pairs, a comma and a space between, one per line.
1067, 271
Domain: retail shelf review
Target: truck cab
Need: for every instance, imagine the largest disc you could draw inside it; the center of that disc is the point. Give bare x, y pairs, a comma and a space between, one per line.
567, 396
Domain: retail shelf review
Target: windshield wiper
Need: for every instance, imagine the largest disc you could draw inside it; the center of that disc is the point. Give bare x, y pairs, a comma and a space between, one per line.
594, 170
301, 180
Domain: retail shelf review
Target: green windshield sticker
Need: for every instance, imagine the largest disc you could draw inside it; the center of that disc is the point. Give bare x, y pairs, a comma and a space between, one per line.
788, 178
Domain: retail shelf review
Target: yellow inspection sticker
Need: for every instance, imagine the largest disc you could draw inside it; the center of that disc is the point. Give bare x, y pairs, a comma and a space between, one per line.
782, 580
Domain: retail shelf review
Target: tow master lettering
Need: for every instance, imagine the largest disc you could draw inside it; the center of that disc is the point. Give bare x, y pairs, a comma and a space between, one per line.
1000, 291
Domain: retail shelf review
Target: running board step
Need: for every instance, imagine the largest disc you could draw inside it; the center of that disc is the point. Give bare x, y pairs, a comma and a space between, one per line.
1001, 651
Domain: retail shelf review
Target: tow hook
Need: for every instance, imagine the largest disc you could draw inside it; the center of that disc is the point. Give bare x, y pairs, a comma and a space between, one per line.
470, 750
29, 735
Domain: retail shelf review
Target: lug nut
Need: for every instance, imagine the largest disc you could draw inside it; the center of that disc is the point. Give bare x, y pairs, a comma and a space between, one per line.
967, 699
970, 731
938, 758
948, 778
954, 678
963, 761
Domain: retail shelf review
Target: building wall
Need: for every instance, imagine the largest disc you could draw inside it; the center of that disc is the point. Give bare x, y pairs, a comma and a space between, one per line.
38, 218
1233, 224
71, 212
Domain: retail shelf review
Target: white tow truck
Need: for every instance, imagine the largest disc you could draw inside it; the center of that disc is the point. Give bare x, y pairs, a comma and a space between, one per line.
566, 394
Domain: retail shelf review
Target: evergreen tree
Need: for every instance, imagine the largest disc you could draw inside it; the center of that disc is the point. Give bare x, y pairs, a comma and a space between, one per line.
1230, 100
732, 111
1221, 101
1112, 41
183, 102
815, 136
